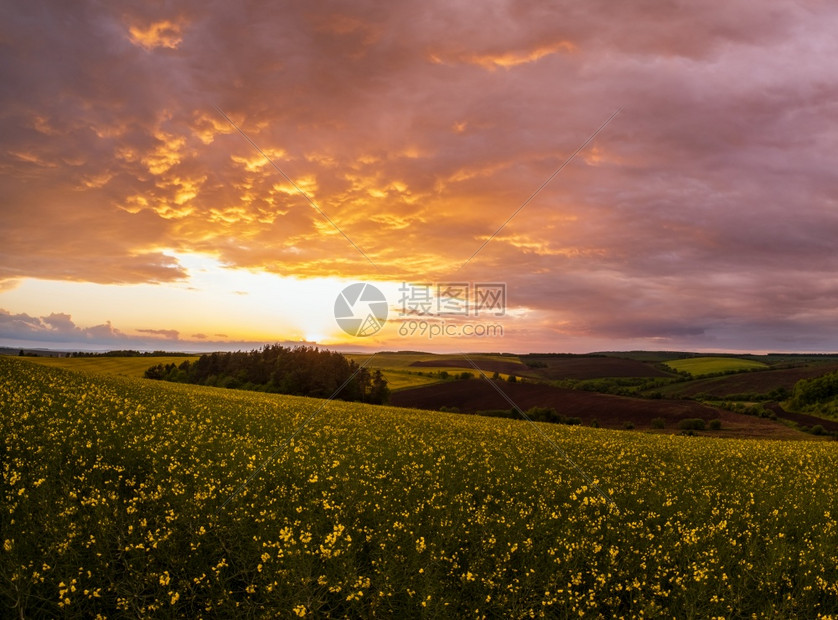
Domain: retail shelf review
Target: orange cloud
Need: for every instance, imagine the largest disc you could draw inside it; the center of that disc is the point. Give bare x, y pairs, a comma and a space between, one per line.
508, 58
163, 33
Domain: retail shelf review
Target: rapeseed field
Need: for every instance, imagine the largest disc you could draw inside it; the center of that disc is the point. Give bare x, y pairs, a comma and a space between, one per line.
113, 496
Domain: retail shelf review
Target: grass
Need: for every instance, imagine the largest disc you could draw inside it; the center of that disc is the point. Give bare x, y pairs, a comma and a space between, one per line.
397, 370
114, 493
698, 366
403, 379
125, 366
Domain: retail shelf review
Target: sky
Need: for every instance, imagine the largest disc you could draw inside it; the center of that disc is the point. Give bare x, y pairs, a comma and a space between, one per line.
211, 175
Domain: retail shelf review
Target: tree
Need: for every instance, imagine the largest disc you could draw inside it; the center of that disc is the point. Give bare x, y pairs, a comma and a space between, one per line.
302, 371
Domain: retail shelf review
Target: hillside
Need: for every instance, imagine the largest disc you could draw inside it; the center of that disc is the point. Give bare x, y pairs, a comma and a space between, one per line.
120, 499
761, 382
606, 410
709, 365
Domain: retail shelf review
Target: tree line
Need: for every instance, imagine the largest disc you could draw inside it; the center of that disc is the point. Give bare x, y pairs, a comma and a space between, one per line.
300, 371
816, 391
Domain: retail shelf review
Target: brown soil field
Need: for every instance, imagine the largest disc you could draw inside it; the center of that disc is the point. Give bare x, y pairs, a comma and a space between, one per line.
510, 368
801, 418
595, 368
757, 382
609, 411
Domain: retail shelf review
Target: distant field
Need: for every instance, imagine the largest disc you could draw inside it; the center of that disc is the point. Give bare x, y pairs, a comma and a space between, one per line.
124, 366
591, 367
400, 380
402, 359
401, 369
115, 503
748, 382
698, 366
396, 367
607, 410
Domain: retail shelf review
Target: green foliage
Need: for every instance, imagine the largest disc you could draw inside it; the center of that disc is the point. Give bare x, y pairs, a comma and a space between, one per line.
620, 386
817, 391
301, 371
658, 423
692, 424
714, 425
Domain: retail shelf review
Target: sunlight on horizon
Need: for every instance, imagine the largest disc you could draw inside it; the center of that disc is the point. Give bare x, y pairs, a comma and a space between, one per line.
216, 301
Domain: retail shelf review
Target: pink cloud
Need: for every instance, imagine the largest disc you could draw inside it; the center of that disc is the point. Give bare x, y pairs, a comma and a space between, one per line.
705, 210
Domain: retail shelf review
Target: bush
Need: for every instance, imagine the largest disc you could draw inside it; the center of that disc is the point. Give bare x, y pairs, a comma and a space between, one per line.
817, 429
817, 390
542, 414
715, 425
658, 422
594, 423
692, 424
628, 425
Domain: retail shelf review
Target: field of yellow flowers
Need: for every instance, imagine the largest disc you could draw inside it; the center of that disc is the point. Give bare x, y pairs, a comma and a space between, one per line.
112, 492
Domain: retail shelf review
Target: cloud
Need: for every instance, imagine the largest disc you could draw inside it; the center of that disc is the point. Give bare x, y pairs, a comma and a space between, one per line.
56, 327
169, 334
159, 34
509, 58
418, 130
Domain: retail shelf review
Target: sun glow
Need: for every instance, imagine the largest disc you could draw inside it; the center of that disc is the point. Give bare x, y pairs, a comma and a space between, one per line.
214, 302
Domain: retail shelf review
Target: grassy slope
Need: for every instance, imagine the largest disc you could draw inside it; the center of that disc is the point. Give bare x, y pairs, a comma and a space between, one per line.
113, 491
125, 366
396, 367
698, 366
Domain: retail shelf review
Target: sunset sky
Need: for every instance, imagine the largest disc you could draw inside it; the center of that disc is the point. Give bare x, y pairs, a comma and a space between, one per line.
703, 216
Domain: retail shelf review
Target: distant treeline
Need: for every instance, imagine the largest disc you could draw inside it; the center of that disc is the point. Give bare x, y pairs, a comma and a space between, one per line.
301, 371
131, 353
